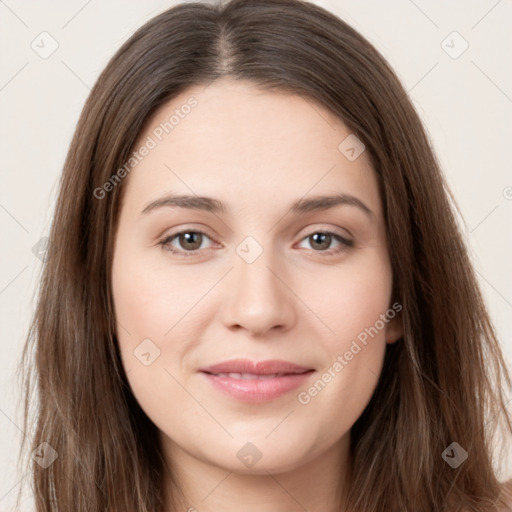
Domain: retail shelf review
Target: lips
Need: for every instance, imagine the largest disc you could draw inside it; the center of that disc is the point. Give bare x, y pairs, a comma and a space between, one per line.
244, 368
249, 376
255, 382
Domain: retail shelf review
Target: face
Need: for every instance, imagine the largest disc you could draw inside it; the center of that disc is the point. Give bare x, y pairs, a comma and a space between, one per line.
252, 275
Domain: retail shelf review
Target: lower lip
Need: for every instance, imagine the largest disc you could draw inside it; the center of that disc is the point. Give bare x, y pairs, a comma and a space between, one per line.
260, 390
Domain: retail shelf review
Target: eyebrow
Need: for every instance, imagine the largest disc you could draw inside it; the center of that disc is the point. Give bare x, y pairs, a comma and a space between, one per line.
209, 204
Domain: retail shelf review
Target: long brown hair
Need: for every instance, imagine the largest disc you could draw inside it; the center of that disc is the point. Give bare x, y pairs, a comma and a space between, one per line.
443, 382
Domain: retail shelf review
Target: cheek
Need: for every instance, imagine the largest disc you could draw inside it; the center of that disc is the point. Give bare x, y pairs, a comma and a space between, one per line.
149, 299
355, 306
142, 302
159, 316
147, 306
353, 298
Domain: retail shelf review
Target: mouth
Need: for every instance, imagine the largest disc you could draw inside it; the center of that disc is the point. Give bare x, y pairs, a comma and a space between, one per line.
253, 376
255, 382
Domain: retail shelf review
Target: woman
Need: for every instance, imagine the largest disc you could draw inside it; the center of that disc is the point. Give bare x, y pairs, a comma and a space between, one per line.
253, 368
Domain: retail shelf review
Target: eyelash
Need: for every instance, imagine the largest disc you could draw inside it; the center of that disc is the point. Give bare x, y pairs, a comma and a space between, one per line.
346, 244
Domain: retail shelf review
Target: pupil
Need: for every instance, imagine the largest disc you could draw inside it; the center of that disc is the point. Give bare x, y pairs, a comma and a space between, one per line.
323, 236
189, 239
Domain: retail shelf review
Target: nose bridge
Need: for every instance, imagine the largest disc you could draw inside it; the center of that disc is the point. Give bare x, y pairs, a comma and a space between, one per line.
258, 299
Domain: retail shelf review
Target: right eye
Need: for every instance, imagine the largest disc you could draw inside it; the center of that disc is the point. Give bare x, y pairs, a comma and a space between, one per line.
190, 241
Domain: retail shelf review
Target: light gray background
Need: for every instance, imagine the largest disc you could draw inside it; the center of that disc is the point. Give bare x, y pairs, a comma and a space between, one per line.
465, 102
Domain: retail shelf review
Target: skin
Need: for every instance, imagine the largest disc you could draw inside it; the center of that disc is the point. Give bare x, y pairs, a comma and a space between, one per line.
258, 152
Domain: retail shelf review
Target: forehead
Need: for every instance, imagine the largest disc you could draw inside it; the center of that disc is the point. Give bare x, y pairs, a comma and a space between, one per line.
235, 141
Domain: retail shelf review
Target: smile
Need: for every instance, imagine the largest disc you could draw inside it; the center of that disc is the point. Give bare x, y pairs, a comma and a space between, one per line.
252, 388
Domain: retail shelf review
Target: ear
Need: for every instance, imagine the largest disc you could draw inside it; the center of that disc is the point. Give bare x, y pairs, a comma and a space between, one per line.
394, 328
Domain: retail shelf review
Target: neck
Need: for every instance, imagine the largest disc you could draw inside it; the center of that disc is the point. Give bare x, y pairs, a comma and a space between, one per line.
318, 485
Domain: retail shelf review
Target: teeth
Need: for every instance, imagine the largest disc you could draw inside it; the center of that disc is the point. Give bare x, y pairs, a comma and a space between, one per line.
248, 376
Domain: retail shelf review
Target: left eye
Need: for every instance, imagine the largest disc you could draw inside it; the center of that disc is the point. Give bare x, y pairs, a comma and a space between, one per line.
325, 238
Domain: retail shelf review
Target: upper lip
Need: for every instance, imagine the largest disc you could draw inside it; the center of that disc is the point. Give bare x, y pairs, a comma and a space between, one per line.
268, 367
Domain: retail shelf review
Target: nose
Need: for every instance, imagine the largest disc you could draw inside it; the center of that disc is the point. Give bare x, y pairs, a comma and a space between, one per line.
259, 297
